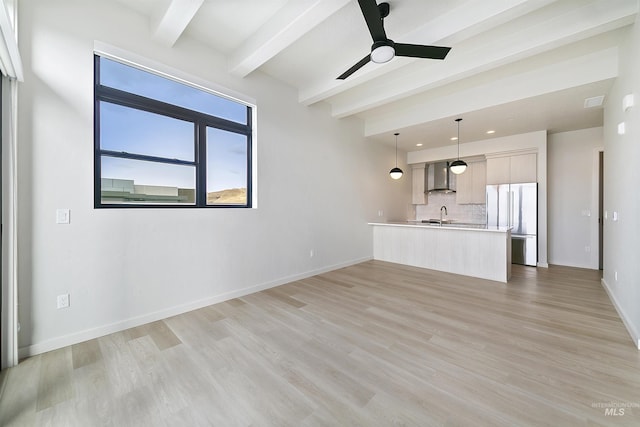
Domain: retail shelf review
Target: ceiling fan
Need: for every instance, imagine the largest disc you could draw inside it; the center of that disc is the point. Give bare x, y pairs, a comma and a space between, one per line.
384, 49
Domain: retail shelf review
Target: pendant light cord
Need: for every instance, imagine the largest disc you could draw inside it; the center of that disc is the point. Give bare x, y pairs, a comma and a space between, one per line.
396, 134
458, 120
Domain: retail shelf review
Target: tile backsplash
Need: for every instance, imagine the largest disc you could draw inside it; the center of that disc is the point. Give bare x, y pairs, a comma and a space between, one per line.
475, 214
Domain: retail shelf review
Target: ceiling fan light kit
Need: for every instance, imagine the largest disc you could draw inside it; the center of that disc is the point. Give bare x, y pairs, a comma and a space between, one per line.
384, 49
382, 52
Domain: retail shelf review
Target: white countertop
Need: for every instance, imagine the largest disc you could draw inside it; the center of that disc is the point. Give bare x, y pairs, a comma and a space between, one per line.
450, 226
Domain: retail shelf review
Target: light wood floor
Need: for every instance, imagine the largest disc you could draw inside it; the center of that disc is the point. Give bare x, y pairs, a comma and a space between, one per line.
375, 344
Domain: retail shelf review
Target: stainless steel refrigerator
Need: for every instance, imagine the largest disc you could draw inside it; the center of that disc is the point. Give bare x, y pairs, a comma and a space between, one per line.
516, 206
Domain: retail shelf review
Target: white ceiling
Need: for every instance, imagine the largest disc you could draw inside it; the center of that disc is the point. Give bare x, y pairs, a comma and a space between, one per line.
515, 65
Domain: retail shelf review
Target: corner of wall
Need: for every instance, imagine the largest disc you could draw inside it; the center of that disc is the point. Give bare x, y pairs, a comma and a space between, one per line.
633, 331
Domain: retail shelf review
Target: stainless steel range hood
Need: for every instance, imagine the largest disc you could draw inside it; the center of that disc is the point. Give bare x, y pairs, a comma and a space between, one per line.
439, 179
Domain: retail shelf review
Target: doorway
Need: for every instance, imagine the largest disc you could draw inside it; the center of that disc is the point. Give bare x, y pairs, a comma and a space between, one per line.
600, 209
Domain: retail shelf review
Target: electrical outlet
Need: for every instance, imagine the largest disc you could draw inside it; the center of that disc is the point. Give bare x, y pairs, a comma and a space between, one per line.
587, 248
63, 301
380, 212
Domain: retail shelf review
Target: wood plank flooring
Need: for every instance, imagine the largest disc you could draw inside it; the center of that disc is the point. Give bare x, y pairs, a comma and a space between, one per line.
375, 344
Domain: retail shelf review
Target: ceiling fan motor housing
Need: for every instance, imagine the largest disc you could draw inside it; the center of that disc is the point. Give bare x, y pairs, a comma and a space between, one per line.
384, 9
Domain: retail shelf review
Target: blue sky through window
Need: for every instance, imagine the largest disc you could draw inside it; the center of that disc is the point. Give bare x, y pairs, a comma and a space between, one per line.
134, 80
226, 160
140, 132
125, 129
149, 173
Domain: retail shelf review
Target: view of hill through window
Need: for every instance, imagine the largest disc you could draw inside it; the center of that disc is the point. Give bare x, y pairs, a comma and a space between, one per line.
165, 142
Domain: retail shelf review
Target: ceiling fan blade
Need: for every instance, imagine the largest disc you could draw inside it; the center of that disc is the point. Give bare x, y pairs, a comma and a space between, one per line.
355, 68
421, 51
373, 18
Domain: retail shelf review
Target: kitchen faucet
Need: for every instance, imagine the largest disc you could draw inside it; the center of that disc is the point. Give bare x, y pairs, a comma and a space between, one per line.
445, 212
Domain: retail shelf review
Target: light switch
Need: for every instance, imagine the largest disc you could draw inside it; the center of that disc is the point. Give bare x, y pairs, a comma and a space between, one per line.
615, 215
63, 216
628, 102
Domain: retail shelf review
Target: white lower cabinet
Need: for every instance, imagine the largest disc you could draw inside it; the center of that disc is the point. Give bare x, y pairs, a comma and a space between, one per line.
479, 253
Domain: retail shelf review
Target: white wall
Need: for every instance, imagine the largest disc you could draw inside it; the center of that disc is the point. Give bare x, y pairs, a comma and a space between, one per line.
622, 183
319, 184
573, 197
532, 140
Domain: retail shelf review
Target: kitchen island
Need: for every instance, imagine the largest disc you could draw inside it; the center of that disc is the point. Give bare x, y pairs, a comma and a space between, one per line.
476, 251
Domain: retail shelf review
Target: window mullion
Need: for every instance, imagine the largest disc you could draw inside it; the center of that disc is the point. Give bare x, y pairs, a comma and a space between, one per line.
201, 163
116, 96
249, 158
133, 156
97, 167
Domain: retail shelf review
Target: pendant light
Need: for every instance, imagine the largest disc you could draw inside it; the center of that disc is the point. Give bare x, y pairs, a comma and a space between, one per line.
458, 166
396, 173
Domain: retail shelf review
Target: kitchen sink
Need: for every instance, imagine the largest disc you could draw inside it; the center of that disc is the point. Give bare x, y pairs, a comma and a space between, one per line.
437, 221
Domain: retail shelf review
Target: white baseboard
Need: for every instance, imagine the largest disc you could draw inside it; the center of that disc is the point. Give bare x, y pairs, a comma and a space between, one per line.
88, 334
627, 323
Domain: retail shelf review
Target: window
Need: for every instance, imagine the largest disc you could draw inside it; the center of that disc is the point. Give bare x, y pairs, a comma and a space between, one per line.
163, 143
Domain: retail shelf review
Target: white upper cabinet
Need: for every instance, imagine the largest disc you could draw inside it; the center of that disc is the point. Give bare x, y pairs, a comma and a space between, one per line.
479, 184
472, 184
498, 170
513, 169
523, 168
418, 178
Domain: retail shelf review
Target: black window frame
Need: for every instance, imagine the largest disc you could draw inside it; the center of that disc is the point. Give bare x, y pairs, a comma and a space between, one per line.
201, 122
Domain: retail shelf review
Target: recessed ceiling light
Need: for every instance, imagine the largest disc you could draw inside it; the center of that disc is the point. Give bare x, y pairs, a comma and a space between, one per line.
491, 131
418, 145
454, 138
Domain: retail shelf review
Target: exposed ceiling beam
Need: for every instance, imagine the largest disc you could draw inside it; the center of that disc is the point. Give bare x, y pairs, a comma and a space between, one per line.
290, 23
465, 21
174, 20
478, 55
588, 68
